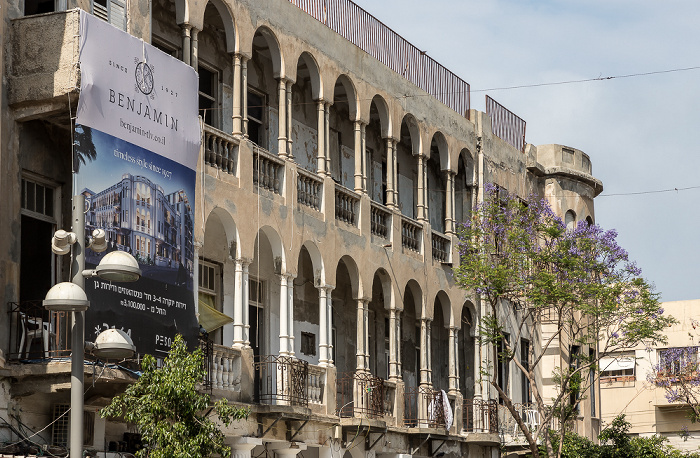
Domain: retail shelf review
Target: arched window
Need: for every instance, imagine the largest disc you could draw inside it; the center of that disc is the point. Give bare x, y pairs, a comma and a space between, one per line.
570, 220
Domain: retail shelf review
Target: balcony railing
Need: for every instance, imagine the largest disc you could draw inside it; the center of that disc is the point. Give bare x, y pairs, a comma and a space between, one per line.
411, 234
360, 394
220, 150
530, 415
480, 416
36, 333
309, 189
372, 36
381, 218
222, 365
281, 380
267, 170
346, 203
441, 246
424, 408
317, 384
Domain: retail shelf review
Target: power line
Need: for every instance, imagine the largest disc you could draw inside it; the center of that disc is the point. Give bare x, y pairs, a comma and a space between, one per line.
587, 80
658, 191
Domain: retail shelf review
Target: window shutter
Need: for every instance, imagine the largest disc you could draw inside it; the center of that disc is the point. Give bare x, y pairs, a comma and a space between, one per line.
117, 13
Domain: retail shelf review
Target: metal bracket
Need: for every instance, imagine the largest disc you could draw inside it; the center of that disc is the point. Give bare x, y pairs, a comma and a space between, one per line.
375, 442
438, 449
298, 430
269, 427
415, 450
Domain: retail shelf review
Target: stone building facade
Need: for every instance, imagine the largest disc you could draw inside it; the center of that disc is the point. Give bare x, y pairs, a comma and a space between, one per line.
337, 163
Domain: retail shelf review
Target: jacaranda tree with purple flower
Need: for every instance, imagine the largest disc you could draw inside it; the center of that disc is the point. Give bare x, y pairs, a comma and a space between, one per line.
528, 271
678, 372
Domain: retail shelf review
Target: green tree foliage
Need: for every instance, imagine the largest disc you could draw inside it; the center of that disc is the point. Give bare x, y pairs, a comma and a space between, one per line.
616, 443
527, 269
83, 146
170, 413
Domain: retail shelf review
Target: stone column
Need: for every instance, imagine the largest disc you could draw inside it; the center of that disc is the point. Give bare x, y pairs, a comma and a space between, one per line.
228, 308
195, 49
322, 327
365, 159
286, 449
327, 136
244, 89
237, 89
290, 155
290, 315
390, 185
359, 153
425, 375
453, 361
395, 169
362, 335
422, 204
321, 131
245, 304
329, 324
186, 45
243, 446
282, 119
449, 202
284, 311
394, 343
238, 316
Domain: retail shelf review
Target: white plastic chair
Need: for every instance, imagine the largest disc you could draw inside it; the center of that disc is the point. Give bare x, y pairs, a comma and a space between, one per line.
39, 328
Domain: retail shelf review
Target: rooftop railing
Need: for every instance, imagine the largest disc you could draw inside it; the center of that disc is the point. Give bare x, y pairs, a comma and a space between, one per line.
388, 47
505, 124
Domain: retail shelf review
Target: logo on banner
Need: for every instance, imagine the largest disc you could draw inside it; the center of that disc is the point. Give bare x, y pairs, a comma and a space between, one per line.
144, 77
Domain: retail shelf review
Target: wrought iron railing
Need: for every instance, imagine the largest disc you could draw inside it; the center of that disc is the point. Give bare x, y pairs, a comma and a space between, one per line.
372, 36
267, 170
441, 246
505, 124
381, 219
480, 416
281, 380
207, 347
346, 203
410, 234
36, 333
309, 189
220, 150
424, 408
360, 394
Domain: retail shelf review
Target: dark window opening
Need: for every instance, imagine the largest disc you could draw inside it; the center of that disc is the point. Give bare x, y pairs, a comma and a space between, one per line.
308, 343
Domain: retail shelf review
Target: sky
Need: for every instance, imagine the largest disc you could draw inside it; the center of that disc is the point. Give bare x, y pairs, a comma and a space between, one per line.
641, 132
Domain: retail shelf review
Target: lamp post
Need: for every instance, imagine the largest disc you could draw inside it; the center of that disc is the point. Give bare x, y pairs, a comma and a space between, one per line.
116, 266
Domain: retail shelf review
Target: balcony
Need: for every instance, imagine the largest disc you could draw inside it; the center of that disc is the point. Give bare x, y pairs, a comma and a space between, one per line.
309, 189
37, 334
346, 205
281, 380
361, 394
424, 408
43, 58
480, 416
220, 150
268, 170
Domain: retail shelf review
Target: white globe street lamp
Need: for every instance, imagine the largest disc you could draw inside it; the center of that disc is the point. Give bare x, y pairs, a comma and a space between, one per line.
117, 266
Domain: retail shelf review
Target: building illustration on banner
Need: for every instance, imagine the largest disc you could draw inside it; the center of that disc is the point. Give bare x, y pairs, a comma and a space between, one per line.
153, 225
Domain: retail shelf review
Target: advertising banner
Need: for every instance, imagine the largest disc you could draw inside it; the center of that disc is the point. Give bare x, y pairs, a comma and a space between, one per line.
136, 142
